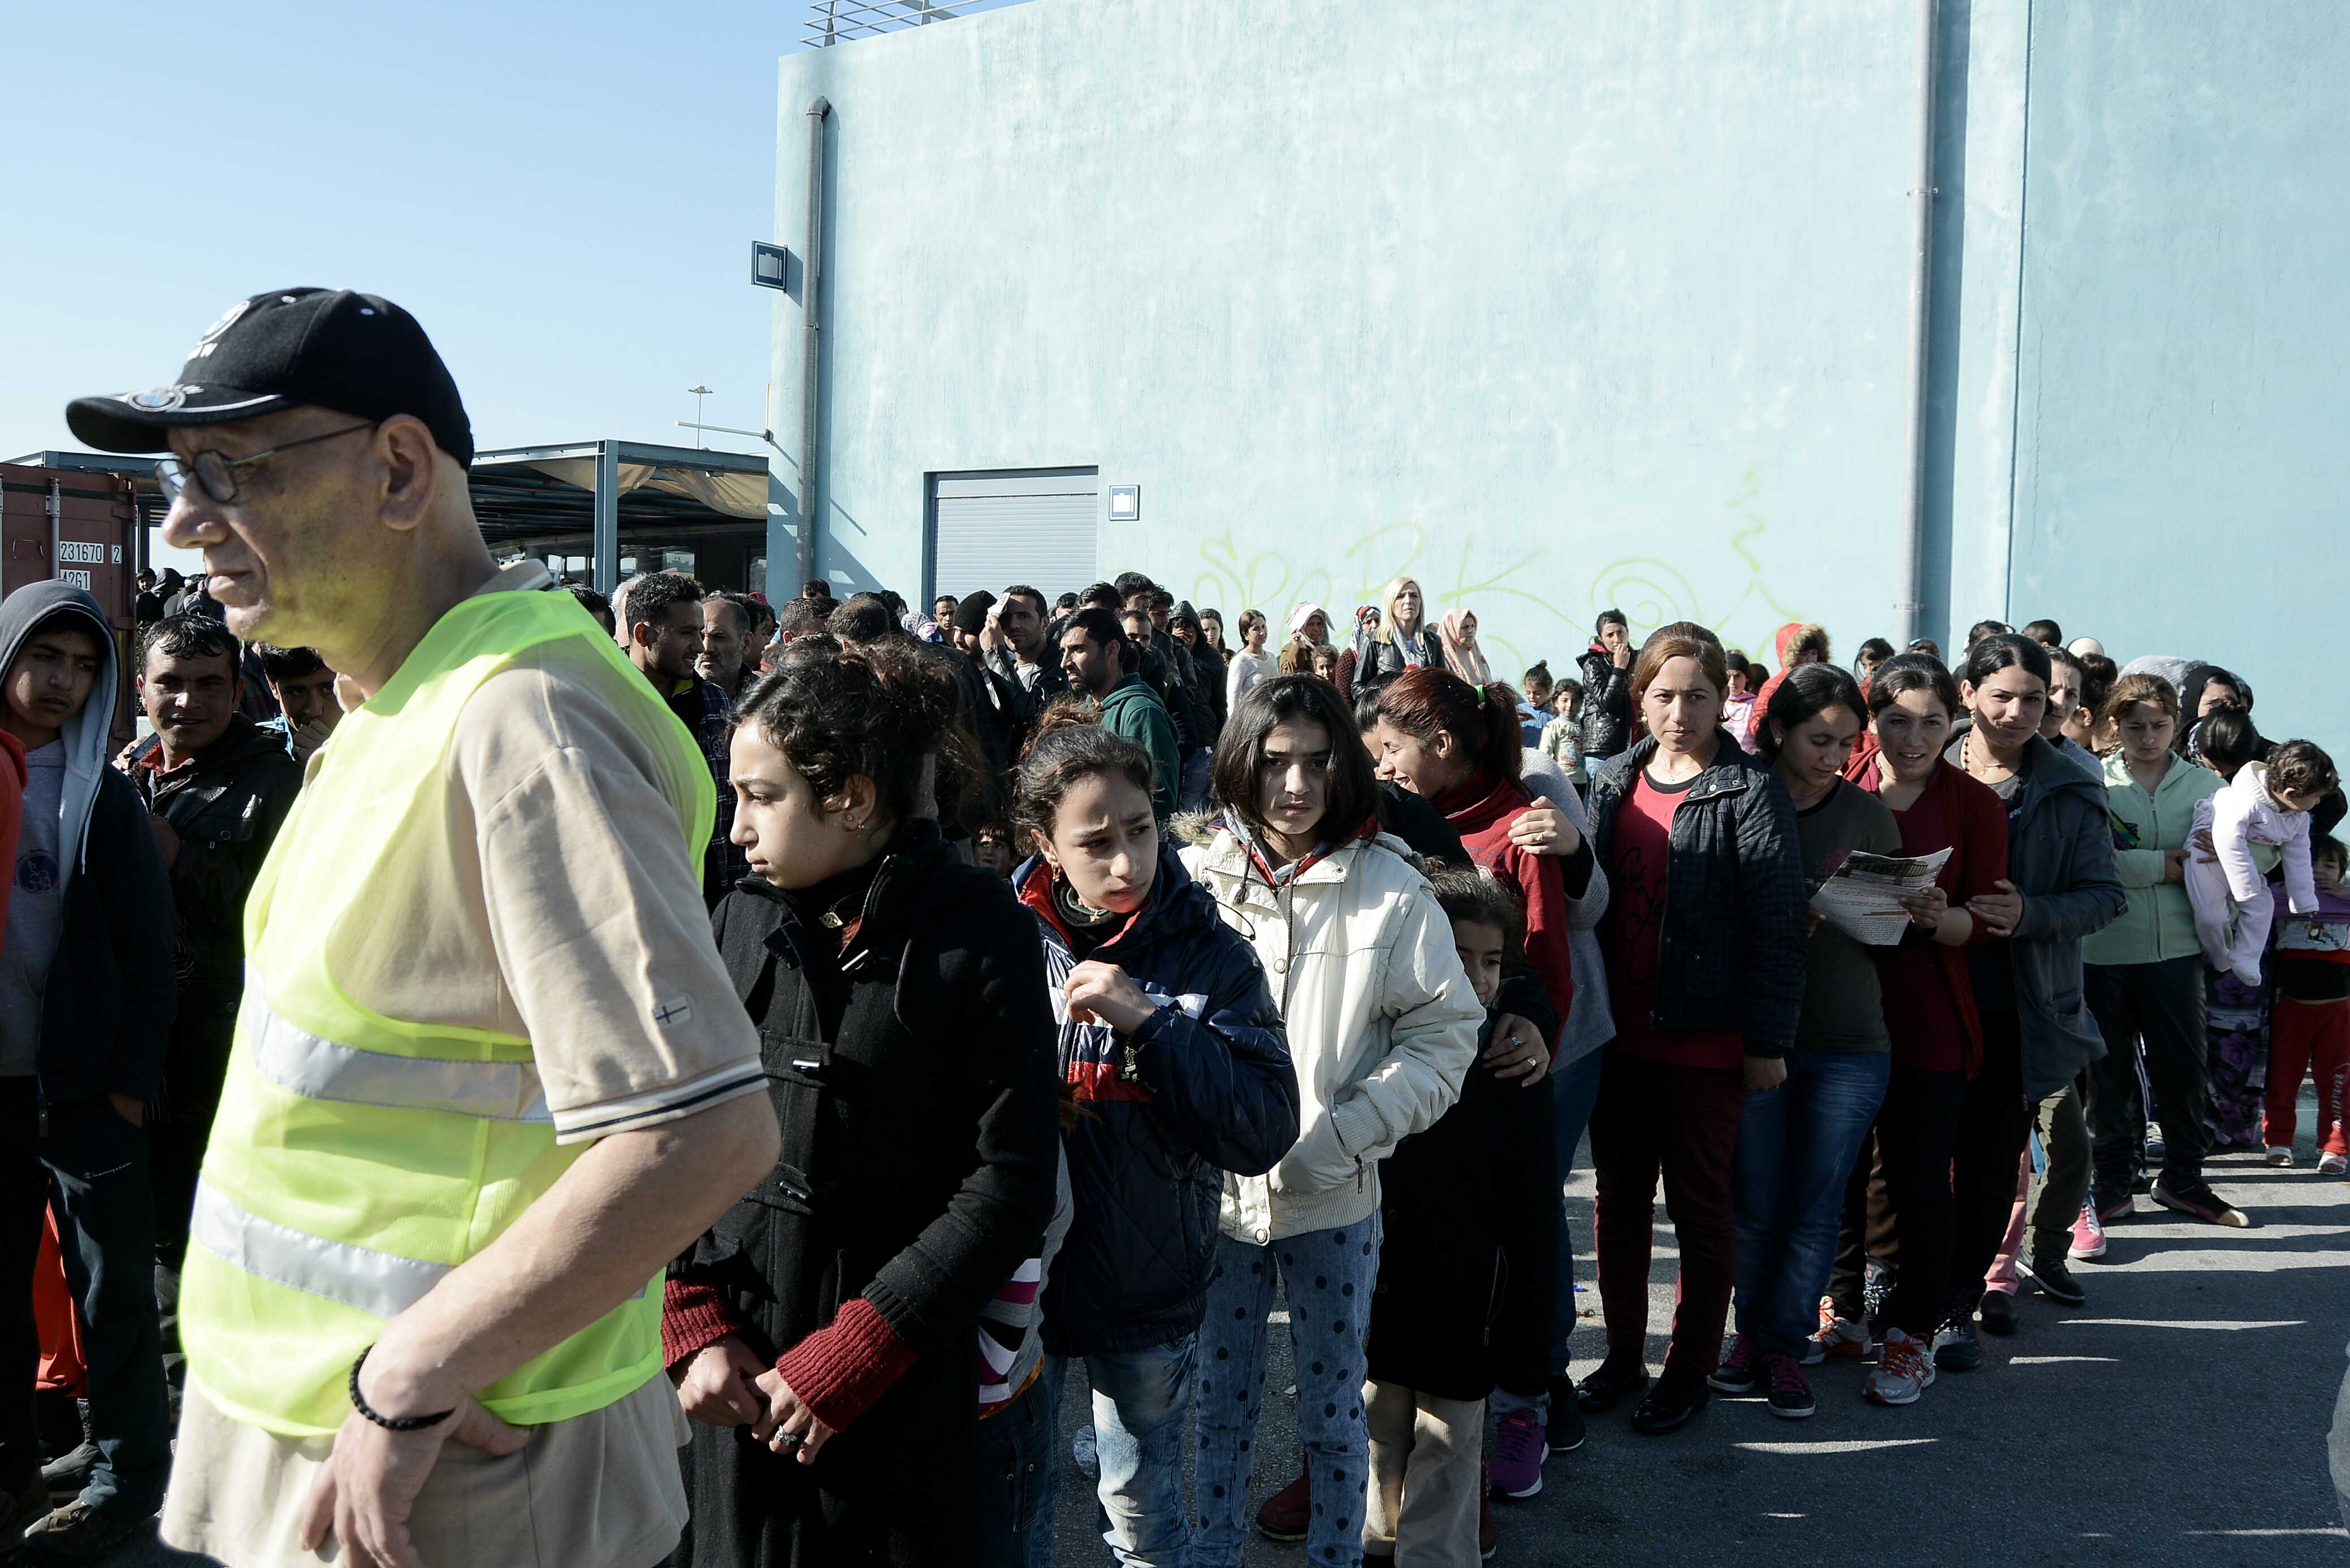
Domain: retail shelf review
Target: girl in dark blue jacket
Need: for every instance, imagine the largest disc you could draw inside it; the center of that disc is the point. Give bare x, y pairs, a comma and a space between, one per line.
1172, 1044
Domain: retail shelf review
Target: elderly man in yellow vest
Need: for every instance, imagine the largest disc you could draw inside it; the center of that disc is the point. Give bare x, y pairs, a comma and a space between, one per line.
488, 1075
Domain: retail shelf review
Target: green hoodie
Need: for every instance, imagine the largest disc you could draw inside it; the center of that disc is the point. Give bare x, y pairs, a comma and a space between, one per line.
1134, 710
2159, 924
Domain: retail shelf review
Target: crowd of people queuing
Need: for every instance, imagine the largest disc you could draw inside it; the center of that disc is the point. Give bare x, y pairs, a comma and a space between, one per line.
951, 1009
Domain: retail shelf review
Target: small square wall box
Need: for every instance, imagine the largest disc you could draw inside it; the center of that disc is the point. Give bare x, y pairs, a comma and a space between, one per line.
1126, 502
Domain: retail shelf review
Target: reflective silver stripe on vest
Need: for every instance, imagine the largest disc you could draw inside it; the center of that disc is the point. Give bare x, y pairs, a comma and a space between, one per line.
319, 1069
383, 1284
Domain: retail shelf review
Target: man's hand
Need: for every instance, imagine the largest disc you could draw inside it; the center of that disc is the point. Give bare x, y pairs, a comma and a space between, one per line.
2002, 911
2174, 866
1765, 1073
719, 1386
366, 1492
309, 738
1106, 993
131, 1109
1517, 1051
167, 839
1543, 829
787, 1418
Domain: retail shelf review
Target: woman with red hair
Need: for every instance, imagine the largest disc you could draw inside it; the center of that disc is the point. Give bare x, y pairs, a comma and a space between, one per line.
1457, 747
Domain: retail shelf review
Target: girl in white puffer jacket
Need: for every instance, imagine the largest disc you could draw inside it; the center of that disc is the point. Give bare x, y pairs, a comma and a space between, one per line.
1382, 1026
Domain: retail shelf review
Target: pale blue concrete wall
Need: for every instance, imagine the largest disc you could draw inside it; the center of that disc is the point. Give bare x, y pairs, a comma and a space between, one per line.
1554, 306
2185, 385
1559, 305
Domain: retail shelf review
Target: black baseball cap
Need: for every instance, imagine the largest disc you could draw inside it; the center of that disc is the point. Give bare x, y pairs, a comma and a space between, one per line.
290, 349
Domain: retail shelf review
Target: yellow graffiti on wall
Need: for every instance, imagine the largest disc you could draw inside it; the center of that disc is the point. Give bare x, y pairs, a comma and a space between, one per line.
1650, 591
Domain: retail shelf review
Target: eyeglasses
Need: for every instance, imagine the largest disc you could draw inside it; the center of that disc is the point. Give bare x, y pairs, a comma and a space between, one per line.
217, 472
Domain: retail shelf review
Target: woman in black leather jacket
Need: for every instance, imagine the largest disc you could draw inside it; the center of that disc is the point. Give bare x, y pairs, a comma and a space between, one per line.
1606, 690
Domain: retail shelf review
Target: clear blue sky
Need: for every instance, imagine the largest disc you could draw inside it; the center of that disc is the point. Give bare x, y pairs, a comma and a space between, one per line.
565, 196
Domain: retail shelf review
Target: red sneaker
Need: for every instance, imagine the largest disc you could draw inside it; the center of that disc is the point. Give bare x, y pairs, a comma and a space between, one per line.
1285, 1514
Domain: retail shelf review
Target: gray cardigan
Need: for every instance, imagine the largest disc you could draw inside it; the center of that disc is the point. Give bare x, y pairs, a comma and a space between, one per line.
1590, 1020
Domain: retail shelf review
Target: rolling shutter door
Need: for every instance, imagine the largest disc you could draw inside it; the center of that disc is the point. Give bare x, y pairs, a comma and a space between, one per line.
991, 530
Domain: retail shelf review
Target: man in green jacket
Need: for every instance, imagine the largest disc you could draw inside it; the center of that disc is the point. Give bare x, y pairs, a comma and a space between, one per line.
1100, 663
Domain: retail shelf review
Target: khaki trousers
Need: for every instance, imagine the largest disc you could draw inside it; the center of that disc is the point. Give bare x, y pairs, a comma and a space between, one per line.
1426, 1476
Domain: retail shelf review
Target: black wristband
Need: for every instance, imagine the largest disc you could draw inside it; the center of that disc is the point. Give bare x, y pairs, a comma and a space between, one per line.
389, 1423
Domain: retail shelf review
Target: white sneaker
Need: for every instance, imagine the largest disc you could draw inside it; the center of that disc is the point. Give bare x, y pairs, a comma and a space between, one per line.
1903, 1372
2280, 1157
2332, 1165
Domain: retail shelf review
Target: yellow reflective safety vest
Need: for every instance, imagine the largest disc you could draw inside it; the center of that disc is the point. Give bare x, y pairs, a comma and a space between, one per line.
358, 1159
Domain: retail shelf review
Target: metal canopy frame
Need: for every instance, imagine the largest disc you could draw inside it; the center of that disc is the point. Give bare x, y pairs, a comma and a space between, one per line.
513, 500
832, 22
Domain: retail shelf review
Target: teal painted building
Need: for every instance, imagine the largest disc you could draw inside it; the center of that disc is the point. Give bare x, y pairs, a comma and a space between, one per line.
1558, 305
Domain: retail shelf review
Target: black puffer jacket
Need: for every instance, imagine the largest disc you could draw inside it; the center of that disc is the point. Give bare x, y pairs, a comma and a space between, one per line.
913, 1080
1731, 955
1606, 715
1207, 1088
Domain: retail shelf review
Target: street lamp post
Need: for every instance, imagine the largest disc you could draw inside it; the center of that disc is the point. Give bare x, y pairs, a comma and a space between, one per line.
698, 393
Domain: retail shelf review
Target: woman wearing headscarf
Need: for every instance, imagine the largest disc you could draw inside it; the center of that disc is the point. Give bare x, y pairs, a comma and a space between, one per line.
1462, 655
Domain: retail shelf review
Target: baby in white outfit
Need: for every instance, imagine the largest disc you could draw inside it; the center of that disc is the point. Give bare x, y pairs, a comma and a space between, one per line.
2266, 803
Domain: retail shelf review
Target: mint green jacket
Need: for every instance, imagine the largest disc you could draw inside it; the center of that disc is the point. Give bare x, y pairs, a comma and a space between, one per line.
2157, 923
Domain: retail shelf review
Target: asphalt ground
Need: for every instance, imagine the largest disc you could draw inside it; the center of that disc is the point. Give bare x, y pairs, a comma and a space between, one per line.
2179, 1418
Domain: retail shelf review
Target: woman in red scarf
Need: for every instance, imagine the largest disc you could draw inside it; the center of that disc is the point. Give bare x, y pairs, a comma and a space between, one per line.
1457, 747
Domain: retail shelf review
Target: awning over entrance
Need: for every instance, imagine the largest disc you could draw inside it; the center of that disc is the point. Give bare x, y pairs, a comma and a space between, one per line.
591, 506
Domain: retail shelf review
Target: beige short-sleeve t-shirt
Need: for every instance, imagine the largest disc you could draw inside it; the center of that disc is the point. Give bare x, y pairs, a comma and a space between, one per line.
567, 909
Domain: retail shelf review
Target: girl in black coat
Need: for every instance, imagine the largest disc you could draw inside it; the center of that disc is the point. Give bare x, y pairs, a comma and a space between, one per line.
1471, 1212
822, 1330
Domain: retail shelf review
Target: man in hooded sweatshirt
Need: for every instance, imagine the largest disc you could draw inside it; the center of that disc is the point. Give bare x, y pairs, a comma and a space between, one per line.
85, 1005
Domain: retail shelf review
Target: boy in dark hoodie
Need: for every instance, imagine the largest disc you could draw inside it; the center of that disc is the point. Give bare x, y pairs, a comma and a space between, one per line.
85, 1004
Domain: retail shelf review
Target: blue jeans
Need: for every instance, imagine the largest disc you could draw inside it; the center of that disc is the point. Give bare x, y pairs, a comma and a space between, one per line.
1328, 1277
1192, 790
1796, 1144
1141, 1399
1019, 1475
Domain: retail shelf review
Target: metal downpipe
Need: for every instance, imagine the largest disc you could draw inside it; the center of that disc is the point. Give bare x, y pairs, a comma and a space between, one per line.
1910, 605
811, 339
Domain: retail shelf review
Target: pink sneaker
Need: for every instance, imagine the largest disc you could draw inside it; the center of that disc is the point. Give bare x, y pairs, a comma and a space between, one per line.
2088, 1234
1520, 1445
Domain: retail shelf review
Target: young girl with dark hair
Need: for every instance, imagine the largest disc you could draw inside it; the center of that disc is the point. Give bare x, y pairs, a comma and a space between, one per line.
1704, 939
2144, 970
901, 1007
2060, 886
1930, 1015
1796, 1140
1457, 747
1382, 1028
1175, 1053
1469, 1211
